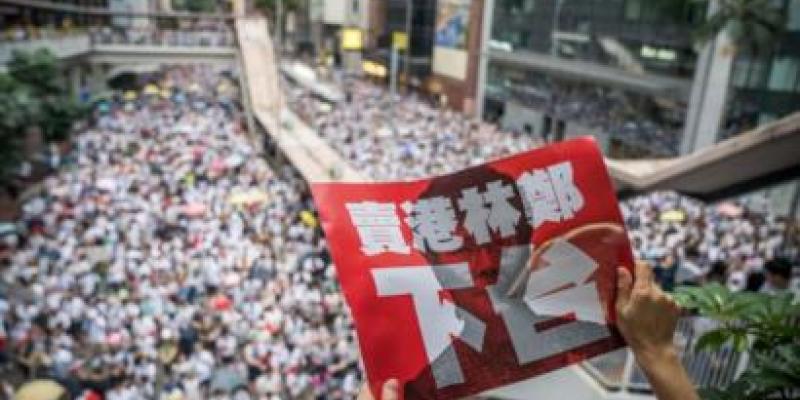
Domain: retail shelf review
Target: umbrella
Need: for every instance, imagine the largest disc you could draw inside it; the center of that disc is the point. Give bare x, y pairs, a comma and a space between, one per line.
248, 197
221, 302
40, 389
308, 218
672, 216
194, 209
730, 210
151, 89
226, 380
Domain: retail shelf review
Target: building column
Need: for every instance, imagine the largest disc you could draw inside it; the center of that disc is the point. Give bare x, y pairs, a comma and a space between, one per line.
483, 58
710, 89
76, 80
97, 77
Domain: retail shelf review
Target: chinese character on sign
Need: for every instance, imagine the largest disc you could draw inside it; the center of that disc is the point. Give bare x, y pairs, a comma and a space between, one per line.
378, 227
433, 222
550, 194
490, 210
521, 282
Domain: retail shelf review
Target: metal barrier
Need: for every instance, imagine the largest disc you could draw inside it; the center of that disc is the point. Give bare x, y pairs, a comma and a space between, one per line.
166, 37
618, 371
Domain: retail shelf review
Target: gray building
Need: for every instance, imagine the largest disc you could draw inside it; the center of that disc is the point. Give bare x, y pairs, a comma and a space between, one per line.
629, 72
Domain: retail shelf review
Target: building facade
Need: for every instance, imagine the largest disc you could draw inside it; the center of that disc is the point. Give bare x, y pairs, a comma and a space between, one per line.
630, 73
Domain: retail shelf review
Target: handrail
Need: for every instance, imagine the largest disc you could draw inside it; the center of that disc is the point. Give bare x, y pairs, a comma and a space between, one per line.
71, 8
617, 371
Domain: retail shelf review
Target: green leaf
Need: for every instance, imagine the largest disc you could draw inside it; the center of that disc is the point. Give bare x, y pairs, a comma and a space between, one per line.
713, 339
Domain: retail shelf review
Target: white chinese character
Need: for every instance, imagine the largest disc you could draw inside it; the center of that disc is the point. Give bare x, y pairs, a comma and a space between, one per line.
550, 195
433, 222
569, 197
490, 210
439, 320
477, 214
378, 227
567, 267
539, 198
522, 315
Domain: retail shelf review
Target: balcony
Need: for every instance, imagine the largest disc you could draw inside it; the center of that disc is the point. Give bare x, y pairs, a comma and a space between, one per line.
131, 46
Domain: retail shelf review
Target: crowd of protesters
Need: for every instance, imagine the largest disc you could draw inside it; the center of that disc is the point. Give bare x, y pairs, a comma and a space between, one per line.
404, 138
739, 244
165, 259
744, 246
630, 118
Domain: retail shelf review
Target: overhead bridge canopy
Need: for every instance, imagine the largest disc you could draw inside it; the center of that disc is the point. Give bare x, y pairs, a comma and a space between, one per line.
755, 159
591, 72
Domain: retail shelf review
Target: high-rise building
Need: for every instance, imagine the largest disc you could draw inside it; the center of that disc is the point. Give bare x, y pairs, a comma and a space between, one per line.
629, 72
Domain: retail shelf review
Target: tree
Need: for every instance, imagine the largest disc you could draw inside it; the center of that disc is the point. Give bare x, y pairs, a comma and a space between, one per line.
18, 108
768, 326
751, 25
31, 96
37, 70
748, 27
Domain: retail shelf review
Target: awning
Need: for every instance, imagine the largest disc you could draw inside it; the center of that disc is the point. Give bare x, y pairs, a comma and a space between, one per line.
593, 72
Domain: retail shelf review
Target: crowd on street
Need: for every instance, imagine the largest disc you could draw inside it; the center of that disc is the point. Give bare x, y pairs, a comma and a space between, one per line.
166, 259
405, 137
740, 244
731, 243
633, 119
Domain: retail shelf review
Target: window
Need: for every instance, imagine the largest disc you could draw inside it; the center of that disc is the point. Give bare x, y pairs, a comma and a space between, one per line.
793, 16
518, 6
740, 69
633, 10
784, 74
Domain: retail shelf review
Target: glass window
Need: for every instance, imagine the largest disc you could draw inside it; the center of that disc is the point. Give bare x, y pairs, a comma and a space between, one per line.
758, 71
633, 9
740, 70
528, 6
517, 6
793, 16
784, 74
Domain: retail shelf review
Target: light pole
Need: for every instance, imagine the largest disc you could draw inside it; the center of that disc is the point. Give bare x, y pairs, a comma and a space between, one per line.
553, 37
278, 30
407, 66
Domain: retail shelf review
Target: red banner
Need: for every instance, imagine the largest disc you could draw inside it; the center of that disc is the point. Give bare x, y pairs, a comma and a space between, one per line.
469, 281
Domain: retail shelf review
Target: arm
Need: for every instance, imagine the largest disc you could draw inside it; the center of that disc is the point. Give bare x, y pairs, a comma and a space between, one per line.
647, 317
389, 391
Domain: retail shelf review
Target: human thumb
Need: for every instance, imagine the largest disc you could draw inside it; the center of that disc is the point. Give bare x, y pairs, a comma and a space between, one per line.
390, 390
624, 284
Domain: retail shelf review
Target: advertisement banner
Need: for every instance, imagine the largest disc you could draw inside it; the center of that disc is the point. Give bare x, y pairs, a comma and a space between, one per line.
481, 278
450, 57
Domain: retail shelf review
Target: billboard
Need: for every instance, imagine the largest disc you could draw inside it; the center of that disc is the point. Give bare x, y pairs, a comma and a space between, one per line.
451, 36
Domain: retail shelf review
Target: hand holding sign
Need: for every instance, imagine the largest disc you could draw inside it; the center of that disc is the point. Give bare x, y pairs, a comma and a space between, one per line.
647, 319
488, 276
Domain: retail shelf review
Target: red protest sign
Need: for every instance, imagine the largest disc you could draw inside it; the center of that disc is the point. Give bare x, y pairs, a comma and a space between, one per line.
481, 278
